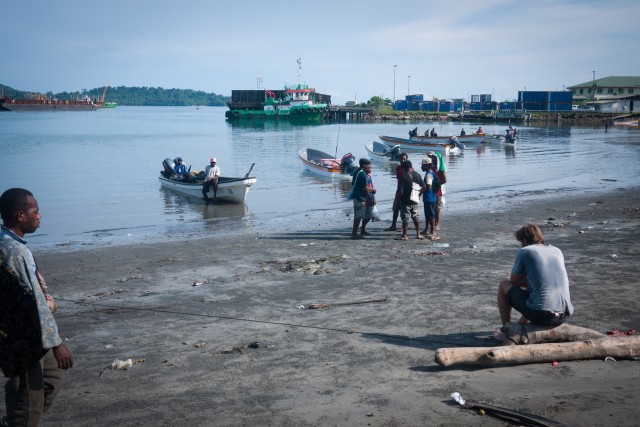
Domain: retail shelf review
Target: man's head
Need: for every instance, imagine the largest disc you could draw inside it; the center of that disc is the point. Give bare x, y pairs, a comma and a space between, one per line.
404, 157
530, 234
213, 161
426, 163
406, 165
19, 211
179, 159
366, 165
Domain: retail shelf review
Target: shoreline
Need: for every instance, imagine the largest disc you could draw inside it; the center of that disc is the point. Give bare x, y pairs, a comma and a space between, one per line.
362, 364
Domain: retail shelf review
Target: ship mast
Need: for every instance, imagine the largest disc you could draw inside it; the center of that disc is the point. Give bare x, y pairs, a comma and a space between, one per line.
299, 70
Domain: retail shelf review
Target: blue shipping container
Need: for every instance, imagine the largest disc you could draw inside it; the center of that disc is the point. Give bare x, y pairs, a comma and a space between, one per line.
458, 106
416, 97
445, 106
507, 105
400, 105
531, 96
564, 96
535, 106
414, 106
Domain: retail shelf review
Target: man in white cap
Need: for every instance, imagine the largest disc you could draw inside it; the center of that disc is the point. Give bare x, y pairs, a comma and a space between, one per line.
212, 173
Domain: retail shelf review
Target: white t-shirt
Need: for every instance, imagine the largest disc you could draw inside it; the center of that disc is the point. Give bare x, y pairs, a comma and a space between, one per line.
211, 172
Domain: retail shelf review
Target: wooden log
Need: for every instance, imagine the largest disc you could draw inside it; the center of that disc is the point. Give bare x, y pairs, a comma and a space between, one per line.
533, 334
622, 347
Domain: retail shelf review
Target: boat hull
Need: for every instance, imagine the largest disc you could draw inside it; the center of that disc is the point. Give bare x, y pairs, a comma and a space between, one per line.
322, 164
414, 144
49, 105
382, 152
233, 190
465, 139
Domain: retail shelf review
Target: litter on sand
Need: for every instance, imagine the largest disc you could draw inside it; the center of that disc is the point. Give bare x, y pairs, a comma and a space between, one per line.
120, 364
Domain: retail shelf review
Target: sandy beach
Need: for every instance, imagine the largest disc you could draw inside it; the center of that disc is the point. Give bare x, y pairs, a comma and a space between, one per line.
222, 334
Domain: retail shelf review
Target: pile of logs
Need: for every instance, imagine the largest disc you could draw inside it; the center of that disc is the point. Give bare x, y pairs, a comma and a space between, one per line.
534, 344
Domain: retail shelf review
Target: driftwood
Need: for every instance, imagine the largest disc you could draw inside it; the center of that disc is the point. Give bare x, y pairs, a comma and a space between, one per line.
517, 333
618, 347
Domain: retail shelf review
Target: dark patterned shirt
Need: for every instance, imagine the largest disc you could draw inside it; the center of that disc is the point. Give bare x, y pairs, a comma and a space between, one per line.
21, 342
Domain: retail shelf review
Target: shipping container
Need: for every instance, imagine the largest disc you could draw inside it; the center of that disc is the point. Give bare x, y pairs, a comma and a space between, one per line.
507, 105
414, 106
485, 97
475, 98
564, 96
428, 106
445, 106
415, 97
535, 106
401, 105
532, 96
458, 106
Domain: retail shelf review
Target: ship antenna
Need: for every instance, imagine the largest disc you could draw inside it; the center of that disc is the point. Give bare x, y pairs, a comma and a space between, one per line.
299, 69
335, 156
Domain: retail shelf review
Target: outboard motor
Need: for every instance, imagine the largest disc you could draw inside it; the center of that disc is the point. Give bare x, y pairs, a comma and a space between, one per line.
394, 153
346, 163
168, 166
454, 141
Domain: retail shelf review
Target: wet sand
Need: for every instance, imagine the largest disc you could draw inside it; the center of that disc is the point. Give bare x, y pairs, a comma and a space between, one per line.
240, 349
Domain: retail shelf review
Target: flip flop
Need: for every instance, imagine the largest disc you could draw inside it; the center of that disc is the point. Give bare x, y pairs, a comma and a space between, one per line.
498, 335
402, 238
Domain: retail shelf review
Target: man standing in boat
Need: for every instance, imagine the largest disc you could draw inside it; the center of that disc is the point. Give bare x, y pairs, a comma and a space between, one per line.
212, 173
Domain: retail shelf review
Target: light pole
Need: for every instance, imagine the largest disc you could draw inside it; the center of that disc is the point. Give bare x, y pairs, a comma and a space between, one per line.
394, 84
593, 87
409, 85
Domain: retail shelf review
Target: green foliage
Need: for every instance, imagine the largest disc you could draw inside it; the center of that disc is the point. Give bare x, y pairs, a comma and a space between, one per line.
146, 96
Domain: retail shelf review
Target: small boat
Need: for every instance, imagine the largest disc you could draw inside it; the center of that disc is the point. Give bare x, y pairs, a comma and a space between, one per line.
230, 189
628, 123
474, 138
383, 152
110, 105
415, 144
324, 164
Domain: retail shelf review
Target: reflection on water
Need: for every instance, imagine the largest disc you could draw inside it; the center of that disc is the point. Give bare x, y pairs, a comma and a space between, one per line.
188, 208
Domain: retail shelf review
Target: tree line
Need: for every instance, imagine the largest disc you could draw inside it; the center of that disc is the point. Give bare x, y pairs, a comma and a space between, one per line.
144, 96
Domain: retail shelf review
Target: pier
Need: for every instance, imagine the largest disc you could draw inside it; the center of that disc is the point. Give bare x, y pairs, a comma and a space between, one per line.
347, 114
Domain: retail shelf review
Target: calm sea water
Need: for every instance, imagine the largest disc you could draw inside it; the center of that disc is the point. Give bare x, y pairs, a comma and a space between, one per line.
95, 174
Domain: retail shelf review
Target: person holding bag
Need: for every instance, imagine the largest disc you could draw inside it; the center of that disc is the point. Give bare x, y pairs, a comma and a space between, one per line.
410, 184
363, 195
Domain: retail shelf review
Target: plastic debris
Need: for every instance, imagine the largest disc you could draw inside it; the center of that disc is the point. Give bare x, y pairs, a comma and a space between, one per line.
121, 364
554, 363
614, 256
301, 306
609, 359
456, 396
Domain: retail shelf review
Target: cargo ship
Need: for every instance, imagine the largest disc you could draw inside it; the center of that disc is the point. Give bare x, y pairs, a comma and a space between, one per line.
40, 102
294, 102
43, 104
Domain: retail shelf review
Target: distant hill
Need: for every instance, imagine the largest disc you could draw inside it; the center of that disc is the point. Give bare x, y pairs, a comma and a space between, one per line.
147, 96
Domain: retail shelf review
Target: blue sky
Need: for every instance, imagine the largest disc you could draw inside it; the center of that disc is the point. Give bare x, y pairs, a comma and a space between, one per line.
348, 48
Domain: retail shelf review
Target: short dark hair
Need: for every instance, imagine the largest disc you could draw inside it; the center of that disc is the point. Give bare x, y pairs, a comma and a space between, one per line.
13, 200
364, 162
530, 234
404, 154
406, 165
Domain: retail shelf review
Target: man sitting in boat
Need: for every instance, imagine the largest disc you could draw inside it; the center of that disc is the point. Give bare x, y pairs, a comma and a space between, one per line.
180, 169
462, 132
413, 133
433, 132
212, 173
479, 131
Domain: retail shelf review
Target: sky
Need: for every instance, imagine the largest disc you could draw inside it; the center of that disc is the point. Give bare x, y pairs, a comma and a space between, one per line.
349, 49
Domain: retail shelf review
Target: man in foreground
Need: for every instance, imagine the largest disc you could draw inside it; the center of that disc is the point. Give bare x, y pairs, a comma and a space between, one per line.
32, 354
539, 286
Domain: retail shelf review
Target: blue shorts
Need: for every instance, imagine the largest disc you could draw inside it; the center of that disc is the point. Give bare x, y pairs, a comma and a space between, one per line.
429, 210
518, 299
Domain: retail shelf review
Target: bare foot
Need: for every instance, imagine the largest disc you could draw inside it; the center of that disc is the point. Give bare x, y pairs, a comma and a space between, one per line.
403, 237
365, 233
